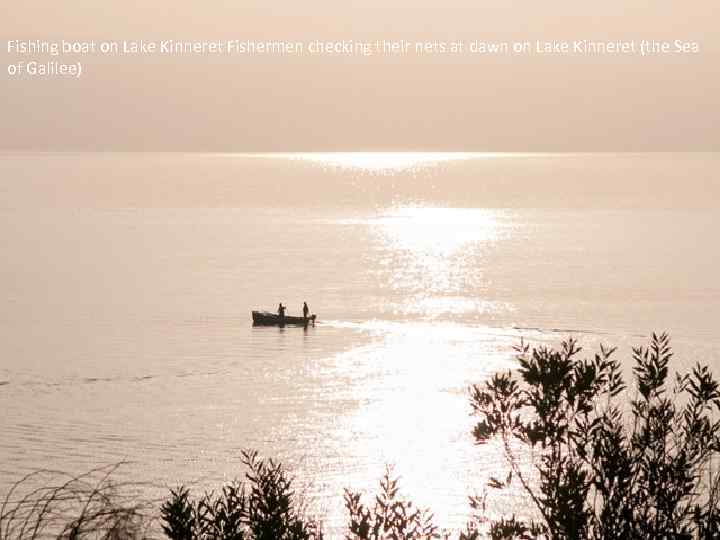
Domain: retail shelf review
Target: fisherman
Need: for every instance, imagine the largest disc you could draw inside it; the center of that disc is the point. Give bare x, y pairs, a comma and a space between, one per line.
281, 311
306, 310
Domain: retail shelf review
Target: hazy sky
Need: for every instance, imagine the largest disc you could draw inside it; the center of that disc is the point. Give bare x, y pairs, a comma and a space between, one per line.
300, 104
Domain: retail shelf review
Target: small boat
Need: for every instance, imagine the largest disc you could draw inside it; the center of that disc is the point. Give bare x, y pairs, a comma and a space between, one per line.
265, 318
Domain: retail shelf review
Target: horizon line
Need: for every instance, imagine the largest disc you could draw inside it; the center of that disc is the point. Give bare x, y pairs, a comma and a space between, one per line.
282, 153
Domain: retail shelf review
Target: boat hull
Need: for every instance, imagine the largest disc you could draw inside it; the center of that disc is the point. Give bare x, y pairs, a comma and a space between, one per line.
265, 318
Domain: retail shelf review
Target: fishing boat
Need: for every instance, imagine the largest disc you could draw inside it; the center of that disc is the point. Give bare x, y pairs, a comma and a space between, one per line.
265, 318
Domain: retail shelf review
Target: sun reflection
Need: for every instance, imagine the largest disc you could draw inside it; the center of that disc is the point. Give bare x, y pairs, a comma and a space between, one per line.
437, 231
433, 257
380, 162
412, 410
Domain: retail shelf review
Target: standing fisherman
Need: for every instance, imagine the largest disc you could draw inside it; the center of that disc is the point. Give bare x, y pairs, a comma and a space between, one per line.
306, 310
281, 311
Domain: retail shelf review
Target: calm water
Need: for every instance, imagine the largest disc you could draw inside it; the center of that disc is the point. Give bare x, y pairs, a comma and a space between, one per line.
127, 284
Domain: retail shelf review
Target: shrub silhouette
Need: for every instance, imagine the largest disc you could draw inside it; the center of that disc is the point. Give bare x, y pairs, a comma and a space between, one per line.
178, 515
54, 504
264, 508
389, 517
602, 472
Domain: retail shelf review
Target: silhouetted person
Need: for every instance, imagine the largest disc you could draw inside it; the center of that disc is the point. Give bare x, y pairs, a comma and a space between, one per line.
281, 311
306, 310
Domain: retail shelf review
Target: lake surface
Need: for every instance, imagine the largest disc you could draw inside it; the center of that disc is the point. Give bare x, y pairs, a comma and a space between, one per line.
127, 283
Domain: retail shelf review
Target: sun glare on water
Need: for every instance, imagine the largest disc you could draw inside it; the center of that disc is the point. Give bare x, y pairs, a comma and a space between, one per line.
436, 231
433, 256
380, 161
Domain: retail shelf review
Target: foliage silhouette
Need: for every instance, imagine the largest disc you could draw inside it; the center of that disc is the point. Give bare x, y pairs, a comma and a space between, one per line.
178, 515
389, 517
49, 503
264, 508
602, 474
